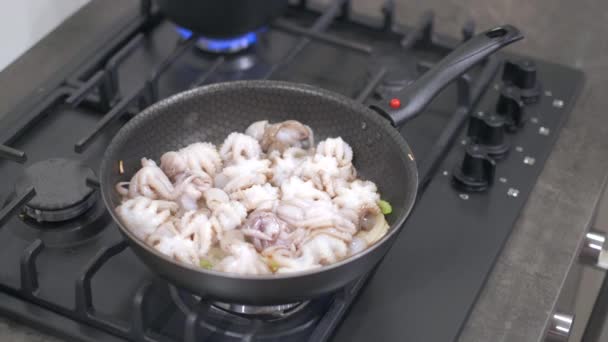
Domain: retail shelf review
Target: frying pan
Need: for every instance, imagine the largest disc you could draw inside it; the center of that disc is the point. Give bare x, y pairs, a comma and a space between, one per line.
210, 113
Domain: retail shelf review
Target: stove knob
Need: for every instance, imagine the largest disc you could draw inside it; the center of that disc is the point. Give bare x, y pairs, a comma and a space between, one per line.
560, 327
476, 173
488, 130
511, 108
522, 74
593, 251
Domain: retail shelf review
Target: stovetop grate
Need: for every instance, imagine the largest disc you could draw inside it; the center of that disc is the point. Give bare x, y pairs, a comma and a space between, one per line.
95, 86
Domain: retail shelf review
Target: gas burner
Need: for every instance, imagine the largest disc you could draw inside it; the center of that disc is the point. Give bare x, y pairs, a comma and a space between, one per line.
188, 302
272, 322
268, 312
61, 190
222, 45
65, 233
65, 210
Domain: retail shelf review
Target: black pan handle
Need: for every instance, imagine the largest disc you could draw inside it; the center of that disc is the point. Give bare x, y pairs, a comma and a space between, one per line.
413, 99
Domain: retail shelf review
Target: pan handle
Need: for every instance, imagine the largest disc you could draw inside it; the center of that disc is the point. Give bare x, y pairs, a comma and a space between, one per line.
408, 103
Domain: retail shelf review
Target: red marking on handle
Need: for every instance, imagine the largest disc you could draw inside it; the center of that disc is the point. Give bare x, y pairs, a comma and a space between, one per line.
395, 103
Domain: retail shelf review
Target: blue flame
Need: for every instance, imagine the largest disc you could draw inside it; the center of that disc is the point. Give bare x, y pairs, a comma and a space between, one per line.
222, 45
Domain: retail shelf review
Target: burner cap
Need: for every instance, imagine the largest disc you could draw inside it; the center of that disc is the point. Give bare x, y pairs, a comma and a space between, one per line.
61, 189
289, 322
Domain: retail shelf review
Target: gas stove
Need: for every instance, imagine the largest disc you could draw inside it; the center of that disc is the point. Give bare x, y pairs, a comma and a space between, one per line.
65, 268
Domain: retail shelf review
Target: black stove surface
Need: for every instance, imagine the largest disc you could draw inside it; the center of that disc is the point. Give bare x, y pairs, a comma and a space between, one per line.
78, 279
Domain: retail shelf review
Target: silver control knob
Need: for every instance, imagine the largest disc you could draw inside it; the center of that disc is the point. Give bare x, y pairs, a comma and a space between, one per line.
593, 250
560, 327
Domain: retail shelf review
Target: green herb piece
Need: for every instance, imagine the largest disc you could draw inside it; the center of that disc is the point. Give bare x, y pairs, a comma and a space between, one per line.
204, 263
385, 207
274, 266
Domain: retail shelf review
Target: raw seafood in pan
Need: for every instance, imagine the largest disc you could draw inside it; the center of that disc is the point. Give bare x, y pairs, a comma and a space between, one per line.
266, 201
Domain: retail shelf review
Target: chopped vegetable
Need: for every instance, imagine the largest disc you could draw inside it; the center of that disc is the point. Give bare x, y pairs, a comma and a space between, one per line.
204, 263
385, 207
274, 266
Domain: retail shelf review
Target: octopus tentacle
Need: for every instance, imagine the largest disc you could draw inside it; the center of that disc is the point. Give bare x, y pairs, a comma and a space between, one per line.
143, 215
189, 188
150, 181
238, 146
197, 157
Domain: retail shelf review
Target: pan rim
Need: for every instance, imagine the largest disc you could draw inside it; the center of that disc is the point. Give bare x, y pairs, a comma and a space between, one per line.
153, 110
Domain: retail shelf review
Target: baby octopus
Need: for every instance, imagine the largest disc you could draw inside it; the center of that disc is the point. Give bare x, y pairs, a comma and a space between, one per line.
264, 201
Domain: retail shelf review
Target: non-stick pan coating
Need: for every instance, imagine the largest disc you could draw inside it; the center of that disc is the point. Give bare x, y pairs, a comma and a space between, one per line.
209, 114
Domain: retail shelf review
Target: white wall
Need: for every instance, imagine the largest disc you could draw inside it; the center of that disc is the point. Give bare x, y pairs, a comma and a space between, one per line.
24, 22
